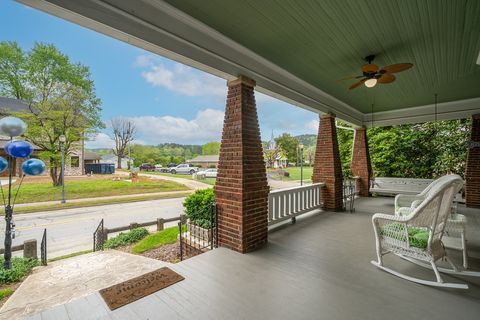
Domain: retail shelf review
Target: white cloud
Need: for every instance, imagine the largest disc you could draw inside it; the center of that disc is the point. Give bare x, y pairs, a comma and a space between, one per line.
206, 126
143, 61
312, 125
100, 140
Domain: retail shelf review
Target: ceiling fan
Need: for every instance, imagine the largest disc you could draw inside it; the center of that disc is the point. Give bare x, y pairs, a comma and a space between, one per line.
372, 74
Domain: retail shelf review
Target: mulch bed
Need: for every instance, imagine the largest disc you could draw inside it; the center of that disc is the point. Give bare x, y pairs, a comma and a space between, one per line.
168, 253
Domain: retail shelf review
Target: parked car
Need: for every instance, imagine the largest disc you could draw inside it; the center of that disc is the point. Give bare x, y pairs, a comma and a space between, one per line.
158, 167
208, 173
147, 167
183, 169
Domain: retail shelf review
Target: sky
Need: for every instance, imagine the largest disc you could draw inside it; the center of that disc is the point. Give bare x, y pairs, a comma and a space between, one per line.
167, 101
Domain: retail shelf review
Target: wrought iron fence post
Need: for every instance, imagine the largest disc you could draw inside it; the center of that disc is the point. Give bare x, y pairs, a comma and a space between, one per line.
43, 248
212, 225
99, 237
181, 244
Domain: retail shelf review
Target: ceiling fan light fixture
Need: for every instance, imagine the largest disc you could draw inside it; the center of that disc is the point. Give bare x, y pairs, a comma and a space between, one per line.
370, 83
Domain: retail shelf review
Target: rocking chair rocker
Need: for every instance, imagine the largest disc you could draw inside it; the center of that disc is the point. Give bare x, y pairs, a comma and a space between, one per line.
417, 237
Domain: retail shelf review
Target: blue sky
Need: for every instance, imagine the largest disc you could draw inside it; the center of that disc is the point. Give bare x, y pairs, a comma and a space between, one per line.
168, 101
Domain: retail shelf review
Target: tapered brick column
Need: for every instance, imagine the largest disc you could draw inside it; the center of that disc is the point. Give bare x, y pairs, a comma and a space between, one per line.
327, 167
361, 166
472, 171
241, 189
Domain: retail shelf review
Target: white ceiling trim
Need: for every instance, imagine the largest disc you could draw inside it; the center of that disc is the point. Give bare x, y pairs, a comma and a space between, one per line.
445, 111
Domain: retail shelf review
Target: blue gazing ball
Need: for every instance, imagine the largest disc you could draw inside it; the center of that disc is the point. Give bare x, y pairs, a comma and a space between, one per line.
3, 164
33, 167
19, 149
12, 126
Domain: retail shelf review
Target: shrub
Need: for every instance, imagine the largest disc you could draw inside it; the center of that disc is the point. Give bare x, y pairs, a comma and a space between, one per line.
198, 207
20, 268
153, 241
125, 238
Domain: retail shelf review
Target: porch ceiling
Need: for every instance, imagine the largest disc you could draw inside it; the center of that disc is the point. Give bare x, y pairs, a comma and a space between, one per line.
297, 50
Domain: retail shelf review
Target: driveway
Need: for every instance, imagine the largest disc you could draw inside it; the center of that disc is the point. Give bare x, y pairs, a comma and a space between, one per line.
71, 230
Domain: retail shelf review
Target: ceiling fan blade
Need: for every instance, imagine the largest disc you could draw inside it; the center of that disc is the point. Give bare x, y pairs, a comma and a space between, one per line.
369, 68
349, 78
398, 67
356, 84
386, 78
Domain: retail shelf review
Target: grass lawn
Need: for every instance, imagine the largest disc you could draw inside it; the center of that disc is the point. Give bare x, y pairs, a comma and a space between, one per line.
156, 240
210, 181
294, 173
37, 189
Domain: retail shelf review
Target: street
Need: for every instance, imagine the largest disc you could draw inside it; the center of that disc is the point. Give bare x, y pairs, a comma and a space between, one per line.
71, 230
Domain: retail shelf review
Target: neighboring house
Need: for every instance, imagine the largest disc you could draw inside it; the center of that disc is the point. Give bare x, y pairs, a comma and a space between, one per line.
91, 157
271, 150
74, 162
111, 158
205, 161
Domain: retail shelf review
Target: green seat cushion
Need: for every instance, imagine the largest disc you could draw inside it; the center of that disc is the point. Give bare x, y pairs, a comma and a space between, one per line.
417, 237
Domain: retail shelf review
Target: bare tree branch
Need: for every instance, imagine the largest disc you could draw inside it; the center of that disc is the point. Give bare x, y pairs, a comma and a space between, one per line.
123, 131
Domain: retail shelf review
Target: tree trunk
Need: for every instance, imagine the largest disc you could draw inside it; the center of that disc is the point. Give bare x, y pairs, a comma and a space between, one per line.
119, 162
55, 175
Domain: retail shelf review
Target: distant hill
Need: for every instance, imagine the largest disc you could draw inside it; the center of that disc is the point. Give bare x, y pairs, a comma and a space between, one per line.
307, 140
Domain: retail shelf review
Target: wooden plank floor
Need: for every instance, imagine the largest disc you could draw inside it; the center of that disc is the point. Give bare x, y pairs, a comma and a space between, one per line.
318, 268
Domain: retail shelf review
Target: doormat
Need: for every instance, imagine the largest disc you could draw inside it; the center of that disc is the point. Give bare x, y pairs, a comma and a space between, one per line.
131, 290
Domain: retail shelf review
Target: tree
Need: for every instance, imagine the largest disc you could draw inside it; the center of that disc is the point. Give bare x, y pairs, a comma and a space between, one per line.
211, 148
271, 156
60, 94
289, 146
123, 131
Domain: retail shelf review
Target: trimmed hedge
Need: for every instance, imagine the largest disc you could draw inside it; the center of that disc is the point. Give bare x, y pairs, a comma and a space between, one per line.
198, 207
125, 238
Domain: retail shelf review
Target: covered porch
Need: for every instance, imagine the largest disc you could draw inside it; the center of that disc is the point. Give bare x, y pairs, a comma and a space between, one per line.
318, 268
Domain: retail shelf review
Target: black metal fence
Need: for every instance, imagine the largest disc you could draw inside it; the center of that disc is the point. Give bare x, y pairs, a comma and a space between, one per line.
195, 239
43, 248
99, 237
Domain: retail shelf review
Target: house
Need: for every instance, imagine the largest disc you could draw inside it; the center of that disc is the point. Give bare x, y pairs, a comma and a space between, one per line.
74, 161
113, 159
209, 161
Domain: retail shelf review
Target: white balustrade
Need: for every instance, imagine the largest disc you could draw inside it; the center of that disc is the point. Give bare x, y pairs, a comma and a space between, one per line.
288, 203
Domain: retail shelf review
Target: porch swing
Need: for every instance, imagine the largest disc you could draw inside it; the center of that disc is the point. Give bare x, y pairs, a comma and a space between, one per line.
416, 235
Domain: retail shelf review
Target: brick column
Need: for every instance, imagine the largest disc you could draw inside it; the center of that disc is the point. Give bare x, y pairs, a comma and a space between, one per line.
472, 170
327, 167
241, 189
361, 166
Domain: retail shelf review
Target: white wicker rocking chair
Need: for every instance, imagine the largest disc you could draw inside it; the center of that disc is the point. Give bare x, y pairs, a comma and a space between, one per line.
417, 237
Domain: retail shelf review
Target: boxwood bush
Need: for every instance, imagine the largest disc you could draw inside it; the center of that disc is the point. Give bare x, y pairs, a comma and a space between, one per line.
125, 238
198, 207
20, 268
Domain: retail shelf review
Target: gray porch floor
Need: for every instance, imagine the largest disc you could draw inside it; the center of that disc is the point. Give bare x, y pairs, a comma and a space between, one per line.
318, 268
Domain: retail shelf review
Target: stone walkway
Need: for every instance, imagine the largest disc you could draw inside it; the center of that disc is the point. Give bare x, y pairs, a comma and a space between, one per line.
65, 280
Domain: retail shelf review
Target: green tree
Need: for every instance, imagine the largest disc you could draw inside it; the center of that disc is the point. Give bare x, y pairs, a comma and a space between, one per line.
288, 145
211, 148
60, 94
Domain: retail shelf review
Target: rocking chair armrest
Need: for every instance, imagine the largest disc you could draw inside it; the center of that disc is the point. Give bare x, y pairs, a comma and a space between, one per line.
387, 217
405, 200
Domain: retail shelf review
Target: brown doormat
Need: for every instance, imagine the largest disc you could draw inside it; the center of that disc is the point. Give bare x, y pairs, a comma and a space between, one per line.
131, 290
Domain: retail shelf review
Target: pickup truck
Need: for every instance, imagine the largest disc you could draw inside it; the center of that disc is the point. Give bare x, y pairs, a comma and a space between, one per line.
183, 169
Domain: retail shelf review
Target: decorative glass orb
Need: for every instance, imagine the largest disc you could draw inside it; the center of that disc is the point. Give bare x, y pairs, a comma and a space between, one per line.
12, 126
33, 167
19, 149
3, 164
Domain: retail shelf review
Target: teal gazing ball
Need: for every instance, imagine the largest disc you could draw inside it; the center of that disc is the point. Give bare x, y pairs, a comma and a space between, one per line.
19, 149
3, 164
12, 126
33, 167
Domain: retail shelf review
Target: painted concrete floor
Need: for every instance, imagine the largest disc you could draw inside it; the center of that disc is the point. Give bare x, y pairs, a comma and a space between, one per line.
318, 268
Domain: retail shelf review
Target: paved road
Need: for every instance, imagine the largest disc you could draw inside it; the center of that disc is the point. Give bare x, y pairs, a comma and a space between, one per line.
71, 230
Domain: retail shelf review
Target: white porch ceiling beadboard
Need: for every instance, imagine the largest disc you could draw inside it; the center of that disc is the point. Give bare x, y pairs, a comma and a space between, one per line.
296, 50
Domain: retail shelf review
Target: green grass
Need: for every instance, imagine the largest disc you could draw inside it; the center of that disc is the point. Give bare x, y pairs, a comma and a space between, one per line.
156, 240
91, 187
294, 173
210, 181
93, 203
70, 255
5, 293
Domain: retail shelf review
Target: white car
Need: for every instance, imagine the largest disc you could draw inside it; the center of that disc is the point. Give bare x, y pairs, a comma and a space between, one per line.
183, 169
208, 173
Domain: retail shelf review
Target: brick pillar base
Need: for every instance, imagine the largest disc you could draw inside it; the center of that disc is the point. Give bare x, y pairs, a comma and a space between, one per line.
472, 170
361, 166
241, 189
327, 167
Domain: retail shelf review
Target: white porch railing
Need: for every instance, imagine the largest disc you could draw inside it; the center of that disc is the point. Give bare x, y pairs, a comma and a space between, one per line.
287, 203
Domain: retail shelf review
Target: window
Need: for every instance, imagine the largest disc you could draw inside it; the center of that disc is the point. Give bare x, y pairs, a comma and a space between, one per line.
74, 162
